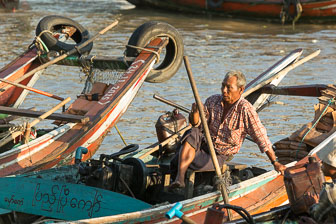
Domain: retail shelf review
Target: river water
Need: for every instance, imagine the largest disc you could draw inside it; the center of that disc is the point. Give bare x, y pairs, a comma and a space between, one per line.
214, 46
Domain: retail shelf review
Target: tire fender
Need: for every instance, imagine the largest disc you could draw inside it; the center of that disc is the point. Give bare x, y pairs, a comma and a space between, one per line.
171, 62
52, 23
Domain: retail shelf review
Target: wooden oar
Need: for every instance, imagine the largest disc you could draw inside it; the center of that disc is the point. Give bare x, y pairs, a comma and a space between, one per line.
32, 89
207, 134
33, 123
74, 50
282, 72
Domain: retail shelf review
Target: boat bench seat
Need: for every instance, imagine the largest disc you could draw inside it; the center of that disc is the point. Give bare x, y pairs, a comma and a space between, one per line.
190, 176
35, 114
80, 106
97, 91
85, 102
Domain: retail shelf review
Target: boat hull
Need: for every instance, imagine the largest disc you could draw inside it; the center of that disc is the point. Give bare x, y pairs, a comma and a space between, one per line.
256, 195
311, 10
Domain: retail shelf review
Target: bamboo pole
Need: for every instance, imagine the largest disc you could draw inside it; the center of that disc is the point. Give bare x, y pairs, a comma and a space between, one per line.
207, 133
32, 89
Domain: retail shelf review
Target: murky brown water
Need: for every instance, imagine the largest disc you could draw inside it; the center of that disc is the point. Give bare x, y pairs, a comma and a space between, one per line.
214, 46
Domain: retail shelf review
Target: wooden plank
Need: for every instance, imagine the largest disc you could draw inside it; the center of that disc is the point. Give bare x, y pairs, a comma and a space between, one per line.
36, 114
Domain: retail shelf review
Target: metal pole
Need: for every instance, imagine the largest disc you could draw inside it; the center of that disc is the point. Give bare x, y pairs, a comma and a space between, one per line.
171, 103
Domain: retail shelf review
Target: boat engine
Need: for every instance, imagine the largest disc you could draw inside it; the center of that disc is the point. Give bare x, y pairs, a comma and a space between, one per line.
129, 176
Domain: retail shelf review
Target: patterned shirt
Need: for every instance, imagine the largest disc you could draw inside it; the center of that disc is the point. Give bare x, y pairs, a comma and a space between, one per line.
240, 120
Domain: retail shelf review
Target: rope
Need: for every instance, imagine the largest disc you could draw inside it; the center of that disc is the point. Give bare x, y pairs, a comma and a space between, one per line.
40, 44
145, 49
330, 101
224, 180
11, 130
122, 138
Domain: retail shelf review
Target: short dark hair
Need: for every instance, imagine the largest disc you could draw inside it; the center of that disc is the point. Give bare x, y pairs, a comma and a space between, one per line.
241, 80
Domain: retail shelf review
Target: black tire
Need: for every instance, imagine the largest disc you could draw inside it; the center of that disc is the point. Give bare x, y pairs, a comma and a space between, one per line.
54, 23
172, 60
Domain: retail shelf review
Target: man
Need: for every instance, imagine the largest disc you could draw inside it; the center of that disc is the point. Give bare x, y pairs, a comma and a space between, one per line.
325, 210
230, 118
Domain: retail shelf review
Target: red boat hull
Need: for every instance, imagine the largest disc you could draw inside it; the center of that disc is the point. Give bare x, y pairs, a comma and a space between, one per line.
311, 10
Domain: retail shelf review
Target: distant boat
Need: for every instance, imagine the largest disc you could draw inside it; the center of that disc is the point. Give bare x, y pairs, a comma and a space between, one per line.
284, 10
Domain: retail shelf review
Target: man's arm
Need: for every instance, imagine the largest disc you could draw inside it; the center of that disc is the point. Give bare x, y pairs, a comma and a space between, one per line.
258, 132
277, 166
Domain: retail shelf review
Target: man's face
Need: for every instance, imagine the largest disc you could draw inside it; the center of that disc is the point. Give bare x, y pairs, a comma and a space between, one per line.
230, 91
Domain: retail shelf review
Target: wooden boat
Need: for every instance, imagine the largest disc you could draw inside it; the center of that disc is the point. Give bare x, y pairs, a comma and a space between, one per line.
142, 177
12, 95
305, 10
289, 213
98, 107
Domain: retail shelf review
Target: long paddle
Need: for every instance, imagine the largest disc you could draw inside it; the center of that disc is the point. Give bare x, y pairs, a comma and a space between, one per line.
32, 89
207, 133
33, 123
74, 50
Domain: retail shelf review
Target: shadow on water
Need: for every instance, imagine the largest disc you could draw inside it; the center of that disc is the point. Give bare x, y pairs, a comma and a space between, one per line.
214, 46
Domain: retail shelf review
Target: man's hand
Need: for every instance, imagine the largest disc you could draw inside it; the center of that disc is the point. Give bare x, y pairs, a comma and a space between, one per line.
279, 167
194, 117
194, 108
